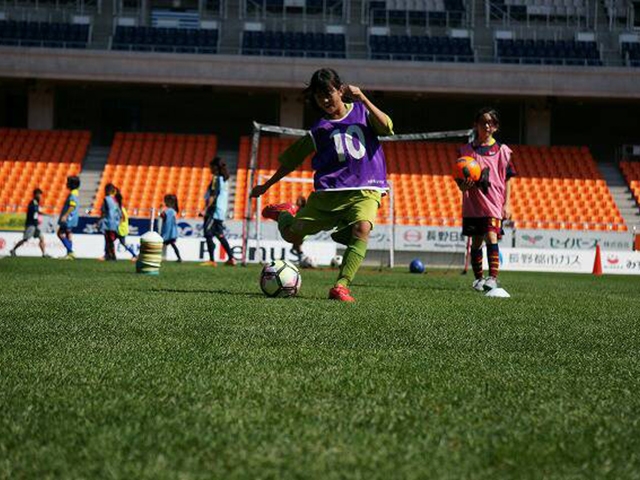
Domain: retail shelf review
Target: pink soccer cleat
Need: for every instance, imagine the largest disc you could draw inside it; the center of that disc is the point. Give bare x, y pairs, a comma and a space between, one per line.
341, 293
274, 210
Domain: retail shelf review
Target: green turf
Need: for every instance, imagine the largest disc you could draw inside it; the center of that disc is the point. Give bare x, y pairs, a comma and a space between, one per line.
194, 374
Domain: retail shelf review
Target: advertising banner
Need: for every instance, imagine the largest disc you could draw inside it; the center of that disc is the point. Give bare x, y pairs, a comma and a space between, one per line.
567, 261
191, 249
574, 239
623, 263
546, 260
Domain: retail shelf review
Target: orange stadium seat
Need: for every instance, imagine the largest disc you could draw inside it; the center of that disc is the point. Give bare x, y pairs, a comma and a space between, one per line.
146, 166
43, 159
556, 187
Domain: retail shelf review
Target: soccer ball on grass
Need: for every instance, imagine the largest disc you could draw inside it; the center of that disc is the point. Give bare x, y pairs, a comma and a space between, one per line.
280, 278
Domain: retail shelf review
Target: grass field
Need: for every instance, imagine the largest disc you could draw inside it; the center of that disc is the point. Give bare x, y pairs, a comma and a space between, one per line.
194, 374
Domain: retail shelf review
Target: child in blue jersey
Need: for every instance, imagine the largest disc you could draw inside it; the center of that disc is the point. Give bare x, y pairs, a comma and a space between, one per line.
110, 220
69, 216
216, 201
32, 224
170, 225
350, 174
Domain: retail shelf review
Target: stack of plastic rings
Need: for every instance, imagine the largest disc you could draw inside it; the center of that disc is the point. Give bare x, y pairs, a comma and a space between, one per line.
150, 257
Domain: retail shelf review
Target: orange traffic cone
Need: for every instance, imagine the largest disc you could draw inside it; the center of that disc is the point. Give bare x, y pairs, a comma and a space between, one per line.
597, 263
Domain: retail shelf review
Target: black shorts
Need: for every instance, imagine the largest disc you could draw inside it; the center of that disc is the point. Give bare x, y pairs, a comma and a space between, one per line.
480, 226
213, 227
32, 232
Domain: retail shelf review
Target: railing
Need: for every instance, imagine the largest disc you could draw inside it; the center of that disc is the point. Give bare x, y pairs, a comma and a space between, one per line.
41, 43
271, 52
587, 62
422, 57
163, 48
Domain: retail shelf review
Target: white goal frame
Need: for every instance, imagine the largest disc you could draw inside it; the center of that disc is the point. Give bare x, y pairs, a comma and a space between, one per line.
253, 179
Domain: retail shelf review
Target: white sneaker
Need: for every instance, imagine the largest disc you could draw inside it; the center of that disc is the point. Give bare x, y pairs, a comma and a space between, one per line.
490, 283
478, 284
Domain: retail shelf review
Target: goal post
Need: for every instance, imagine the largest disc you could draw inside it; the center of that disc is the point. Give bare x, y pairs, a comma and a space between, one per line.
254, 178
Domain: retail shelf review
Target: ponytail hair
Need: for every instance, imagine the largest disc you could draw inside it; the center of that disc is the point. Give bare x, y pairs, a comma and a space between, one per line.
221, 165
171, 201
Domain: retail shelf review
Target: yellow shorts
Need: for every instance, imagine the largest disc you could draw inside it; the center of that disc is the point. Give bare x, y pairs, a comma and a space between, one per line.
337, 210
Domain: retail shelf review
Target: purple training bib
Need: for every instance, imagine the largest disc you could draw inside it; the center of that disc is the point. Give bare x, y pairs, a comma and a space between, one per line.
348, 154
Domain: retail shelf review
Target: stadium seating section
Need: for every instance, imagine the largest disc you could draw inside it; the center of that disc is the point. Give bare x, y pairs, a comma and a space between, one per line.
294, 44
43, 34
631, 53
161, 39
631, 172
416, 12
561, 187
32, 159
547, 10
548, 52
146, 166
420, 48
556, 187
310, 7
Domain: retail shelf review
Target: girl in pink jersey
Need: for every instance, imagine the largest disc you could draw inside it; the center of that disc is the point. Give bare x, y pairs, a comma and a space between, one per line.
486, 203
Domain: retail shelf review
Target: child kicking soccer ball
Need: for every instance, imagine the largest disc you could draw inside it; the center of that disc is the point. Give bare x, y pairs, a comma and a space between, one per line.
486, 203
350, 174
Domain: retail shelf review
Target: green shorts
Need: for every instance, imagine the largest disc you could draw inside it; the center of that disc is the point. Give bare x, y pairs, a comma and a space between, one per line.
337, 210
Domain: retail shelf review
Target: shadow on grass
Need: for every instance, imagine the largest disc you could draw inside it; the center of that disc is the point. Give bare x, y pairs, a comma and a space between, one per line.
230, 292
206, 291
423, 287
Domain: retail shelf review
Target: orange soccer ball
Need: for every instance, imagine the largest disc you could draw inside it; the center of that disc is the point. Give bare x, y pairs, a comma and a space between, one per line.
467, 168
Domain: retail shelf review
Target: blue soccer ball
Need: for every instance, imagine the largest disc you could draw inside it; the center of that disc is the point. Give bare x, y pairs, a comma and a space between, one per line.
416, 266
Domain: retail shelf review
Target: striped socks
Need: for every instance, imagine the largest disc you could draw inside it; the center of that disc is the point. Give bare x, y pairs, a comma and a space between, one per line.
476, 262
493, 256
